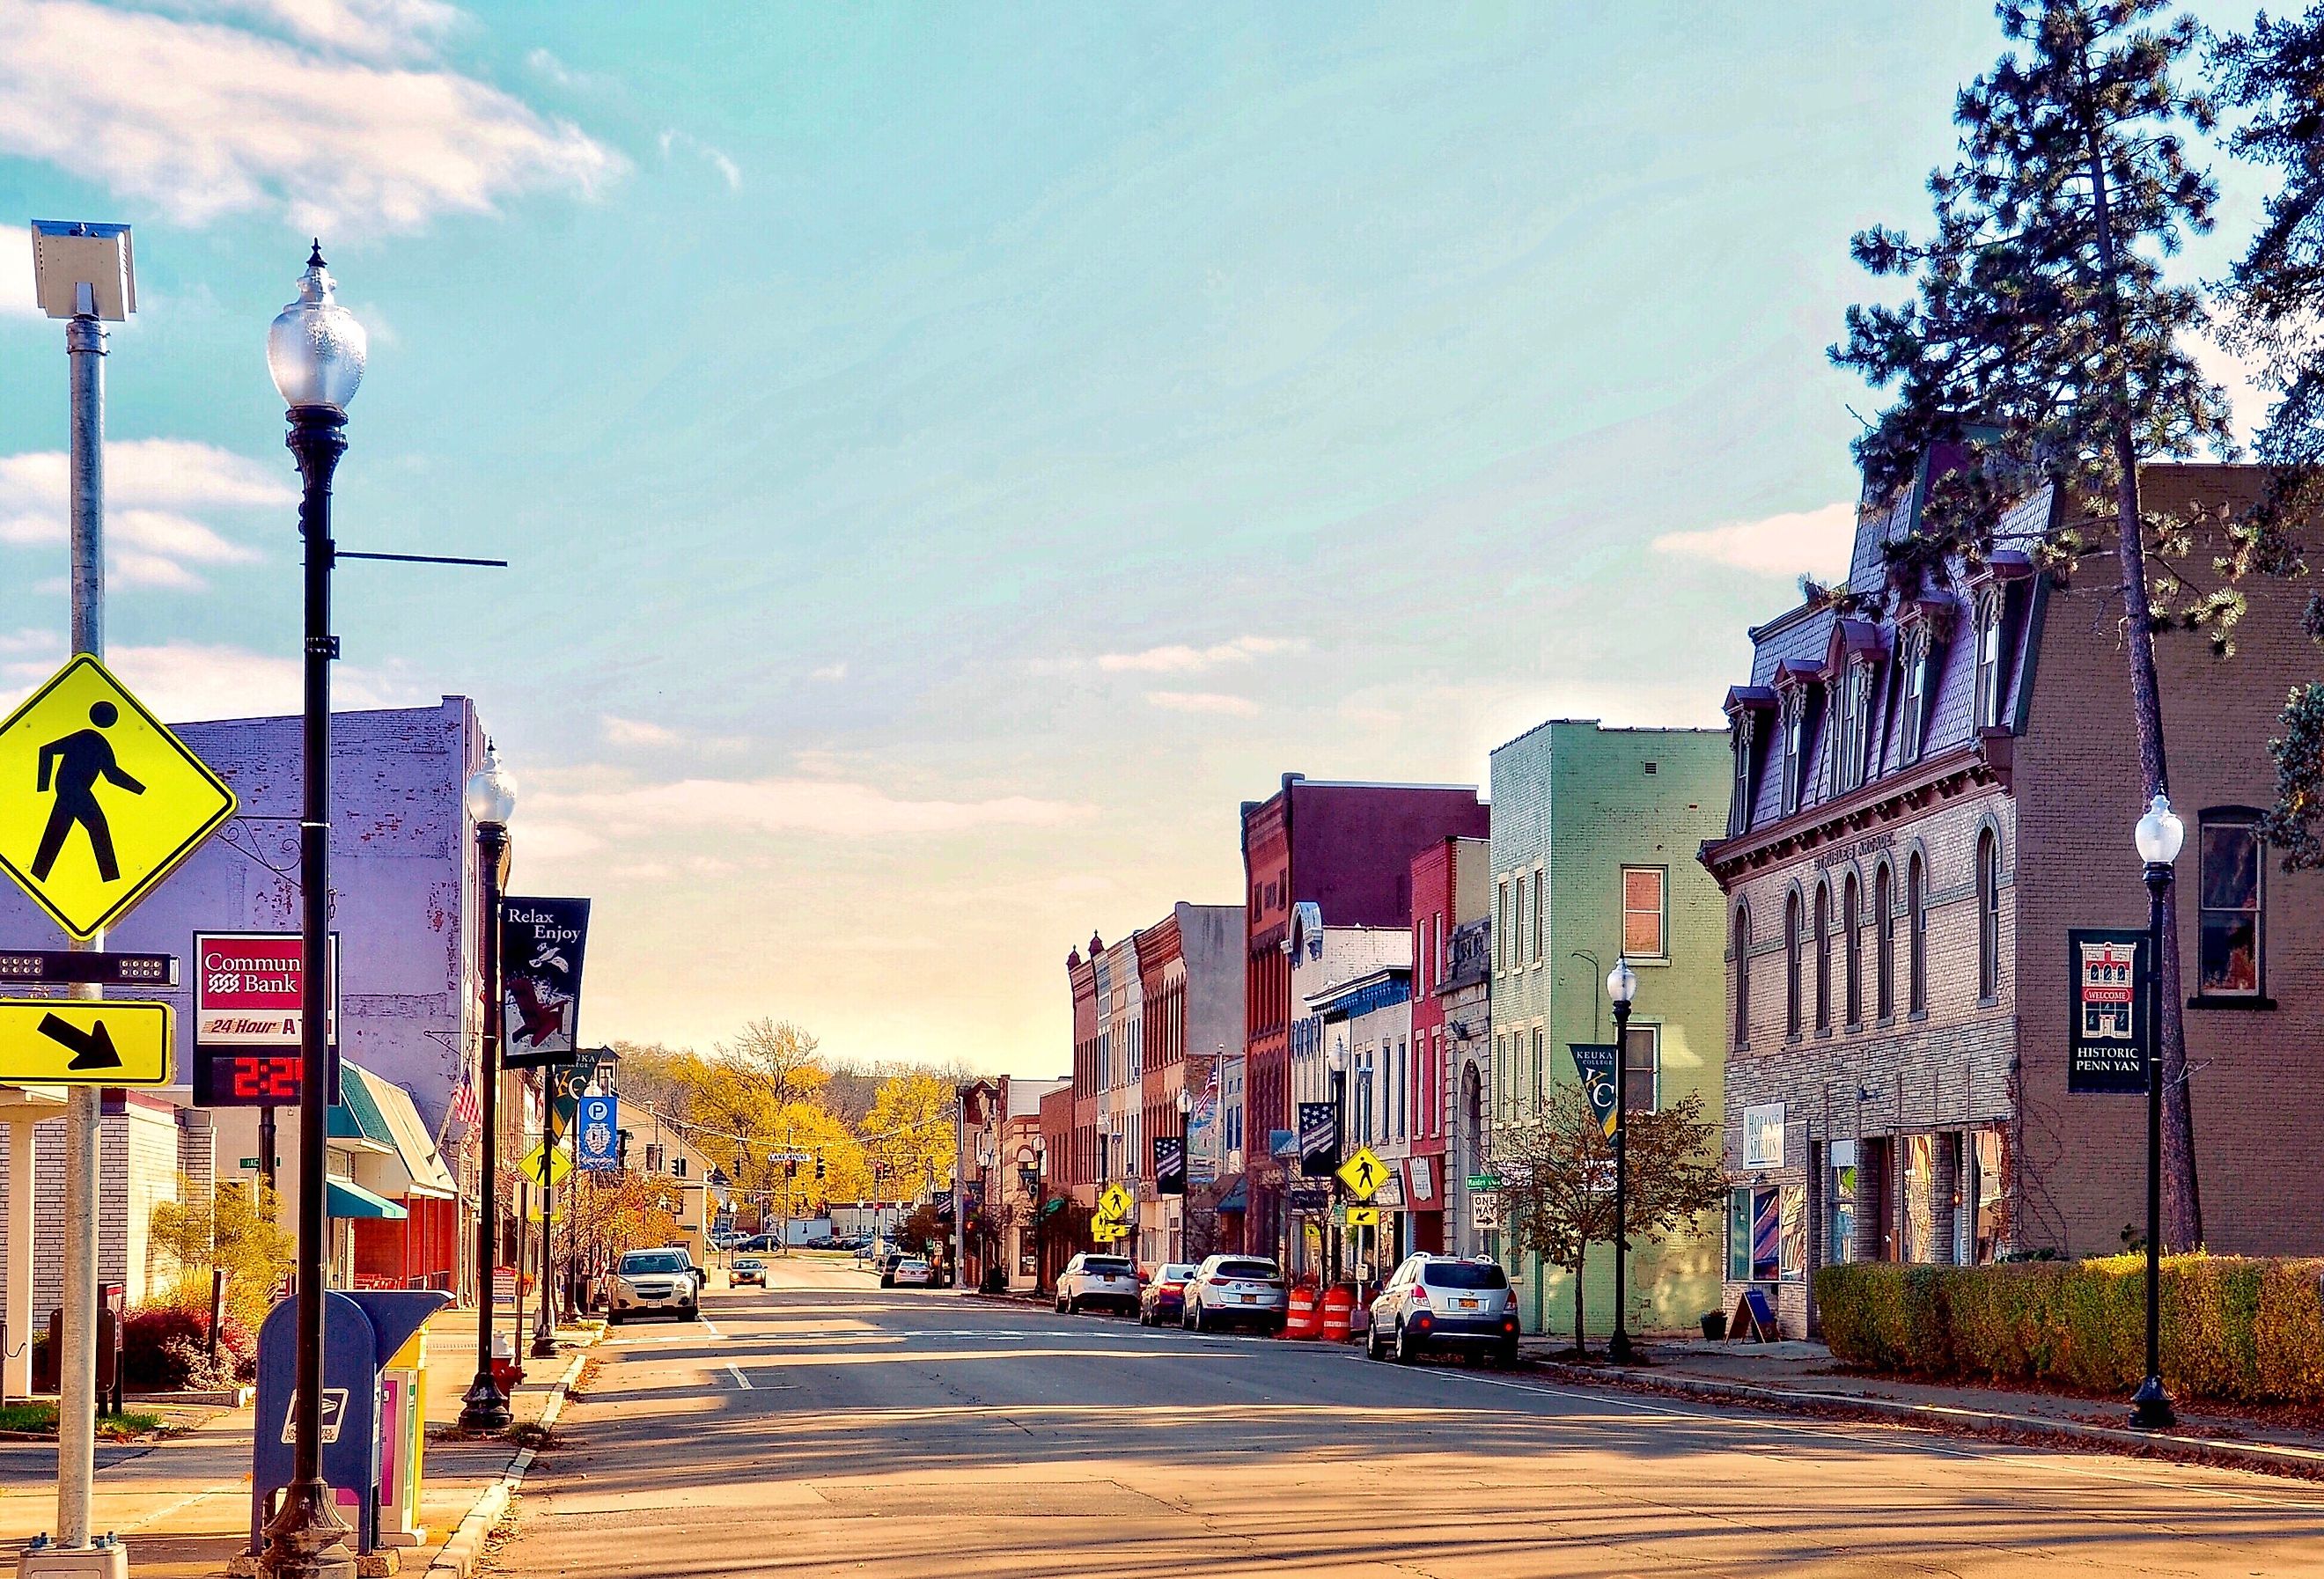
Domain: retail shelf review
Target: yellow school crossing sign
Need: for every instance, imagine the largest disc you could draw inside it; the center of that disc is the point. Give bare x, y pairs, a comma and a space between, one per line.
99, 800
1364, 1174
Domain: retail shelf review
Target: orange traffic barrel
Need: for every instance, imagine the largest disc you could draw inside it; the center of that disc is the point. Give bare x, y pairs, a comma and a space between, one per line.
1299, 1320
1339, 1313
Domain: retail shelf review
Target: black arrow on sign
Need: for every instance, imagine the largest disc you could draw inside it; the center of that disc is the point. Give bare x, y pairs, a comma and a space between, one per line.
92, 1048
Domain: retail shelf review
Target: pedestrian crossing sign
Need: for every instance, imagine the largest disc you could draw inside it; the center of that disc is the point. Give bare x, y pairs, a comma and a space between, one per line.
1116, 1202
545, 1165
99, 800
1364, 1174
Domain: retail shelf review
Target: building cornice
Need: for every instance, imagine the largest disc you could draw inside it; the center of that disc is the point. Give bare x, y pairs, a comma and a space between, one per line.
1973, 766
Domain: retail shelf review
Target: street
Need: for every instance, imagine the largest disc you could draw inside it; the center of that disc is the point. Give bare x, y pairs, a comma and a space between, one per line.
825, 1426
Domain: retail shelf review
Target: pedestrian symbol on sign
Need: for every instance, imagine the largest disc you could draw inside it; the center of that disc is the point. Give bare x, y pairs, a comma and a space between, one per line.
1364, 1174
73, 765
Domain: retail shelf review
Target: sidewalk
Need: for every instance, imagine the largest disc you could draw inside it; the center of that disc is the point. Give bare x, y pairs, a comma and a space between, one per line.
183, 1505
1805, 1377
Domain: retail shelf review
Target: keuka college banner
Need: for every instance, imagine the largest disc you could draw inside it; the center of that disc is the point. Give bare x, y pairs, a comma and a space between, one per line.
541, 945
2109, 1037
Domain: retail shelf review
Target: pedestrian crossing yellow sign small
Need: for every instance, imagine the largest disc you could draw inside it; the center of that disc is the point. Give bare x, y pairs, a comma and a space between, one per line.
1364, 1174
99, 800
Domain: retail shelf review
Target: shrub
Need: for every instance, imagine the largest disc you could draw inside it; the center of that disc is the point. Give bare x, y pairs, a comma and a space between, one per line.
165, 1346
2250, 1330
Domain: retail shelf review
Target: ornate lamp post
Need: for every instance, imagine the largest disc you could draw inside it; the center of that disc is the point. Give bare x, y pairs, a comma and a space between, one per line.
1186, 1167
2158, 836
1622, 988
491, 796
316, 351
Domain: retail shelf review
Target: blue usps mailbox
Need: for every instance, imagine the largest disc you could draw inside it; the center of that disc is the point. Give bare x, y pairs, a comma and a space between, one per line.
360, 1332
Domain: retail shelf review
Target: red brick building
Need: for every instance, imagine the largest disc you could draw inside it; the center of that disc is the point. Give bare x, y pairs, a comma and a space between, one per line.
1933, 783
1347, 849
1451, 886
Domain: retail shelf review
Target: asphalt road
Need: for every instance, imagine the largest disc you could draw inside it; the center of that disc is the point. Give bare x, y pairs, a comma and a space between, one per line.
825, 1426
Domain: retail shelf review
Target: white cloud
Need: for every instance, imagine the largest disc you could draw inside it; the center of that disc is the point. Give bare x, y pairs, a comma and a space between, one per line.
716, 158
1209, 702
184, 680
731, 808
829, 672
1192, 660
630, 732
151, 486
1815, 541
202, 119
16, 297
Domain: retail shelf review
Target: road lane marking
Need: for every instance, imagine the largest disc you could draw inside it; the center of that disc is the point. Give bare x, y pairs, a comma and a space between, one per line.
740, 1381
703, 1322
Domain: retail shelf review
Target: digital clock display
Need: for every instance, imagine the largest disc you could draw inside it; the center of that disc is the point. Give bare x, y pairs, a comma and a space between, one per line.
246, 1079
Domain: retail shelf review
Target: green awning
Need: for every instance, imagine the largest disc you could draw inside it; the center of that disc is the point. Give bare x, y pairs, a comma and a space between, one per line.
347, 1198
1052, 1206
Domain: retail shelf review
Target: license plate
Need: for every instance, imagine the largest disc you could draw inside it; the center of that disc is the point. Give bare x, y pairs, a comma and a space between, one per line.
1248, 1299
1468, 1304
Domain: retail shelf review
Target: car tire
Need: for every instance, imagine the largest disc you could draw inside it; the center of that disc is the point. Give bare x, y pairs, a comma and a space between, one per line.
1072, 1307
1371, 1342
1061, 1304
887, 1282
1406, 1351
1505, 1357
1192, 1320
612, 1319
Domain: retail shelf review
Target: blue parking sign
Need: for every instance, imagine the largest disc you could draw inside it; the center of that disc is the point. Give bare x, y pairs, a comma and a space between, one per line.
600, 1137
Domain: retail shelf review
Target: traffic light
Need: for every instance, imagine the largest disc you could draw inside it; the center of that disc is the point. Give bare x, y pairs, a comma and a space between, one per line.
790, 1168
818, 1169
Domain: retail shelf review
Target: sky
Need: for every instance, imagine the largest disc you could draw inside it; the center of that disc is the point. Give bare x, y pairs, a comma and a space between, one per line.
952, 456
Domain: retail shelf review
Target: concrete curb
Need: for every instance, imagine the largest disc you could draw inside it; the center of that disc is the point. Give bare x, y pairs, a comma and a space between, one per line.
458, 1557
2259, 1457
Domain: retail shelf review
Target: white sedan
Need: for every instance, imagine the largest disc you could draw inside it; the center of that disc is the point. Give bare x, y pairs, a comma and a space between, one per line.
914, 1270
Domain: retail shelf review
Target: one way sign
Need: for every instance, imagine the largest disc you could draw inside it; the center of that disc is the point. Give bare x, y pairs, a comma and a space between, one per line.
67, 1041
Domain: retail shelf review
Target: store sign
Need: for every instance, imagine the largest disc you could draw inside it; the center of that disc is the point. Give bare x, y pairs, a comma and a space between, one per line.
1762, 1135
250, 990
2109, 1039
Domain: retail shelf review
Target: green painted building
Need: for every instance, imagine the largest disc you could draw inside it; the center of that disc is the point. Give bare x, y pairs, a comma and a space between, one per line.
1593, 847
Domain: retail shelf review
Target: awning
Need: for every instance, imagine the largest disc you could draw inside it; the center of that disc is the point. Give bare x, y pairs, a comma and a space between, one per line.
1237, 1199
1052, 1206
347, 1198
422, 1166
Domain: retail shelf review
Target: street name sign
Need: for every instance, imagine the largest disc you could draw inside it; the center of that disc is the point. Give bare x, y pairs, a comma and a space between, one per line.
99, 800
1364, 1174
545, 1165
72, 1041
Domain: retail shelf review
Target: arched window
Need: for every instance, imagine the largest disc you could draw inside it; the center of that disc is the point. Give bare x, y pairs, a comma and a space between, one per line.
1884, 944
1792, 965
1989, 915
1742, 976
1852, 897
1824, 955
1916, 923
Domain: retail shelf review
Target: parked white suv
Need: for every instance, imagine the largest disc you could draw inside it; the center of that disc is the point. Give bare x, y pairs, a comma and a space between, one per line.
1436, 1302
1098, 1280
1236, 1291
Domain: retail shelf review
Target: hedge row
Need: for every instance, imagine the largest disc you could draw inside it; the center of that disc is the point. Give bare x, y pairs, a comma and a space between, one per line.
2232, 1328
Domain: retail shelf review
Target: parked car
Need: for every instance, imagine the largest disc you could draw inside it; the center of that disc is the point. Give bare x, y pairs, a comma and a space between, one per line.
913, 1271
1164, 1297
1110, 1280
750, 1269
1436, 1302
654, 1281
887, 1264
1236, 1291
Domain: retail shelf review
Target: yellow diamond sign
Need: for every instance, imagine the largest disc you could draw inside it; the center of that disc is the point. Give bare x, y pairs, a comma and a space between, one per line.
1117, 1203
546, 1165
99, 800
1364, 1174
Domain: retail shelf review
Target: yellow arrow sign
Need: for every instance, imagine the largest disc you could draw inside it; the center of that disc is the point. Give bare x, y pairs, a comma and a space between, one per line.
1364, 1174
545, 1165
1363, 1216
99, 800
69, 1041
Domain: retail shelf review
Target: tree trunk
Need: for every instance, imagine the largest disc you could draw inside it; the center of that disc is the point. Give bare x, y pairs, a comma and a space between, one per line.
2182, 1210
1580, 1330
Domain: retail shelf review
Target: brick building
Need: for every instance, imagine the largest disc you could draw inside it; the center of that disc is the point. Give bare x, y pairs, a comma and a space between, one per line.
1449, 890
1932, 782
1190, 969
1347, 849
1324, 959
1595, 832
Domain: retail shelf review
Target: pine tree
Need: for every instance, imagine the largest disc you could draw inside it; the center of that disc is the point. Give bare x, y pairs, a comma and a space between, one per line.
2044, 337
2275, 300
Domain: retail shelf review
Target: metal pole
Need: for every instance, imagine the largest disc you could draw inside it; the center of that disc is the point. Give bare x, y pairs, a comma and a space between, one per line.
1617, 1348
2151, 1404
483, 1407
77, 1360
544, 1331
266, 1145
307, 1537
1339, 1078
960, 1188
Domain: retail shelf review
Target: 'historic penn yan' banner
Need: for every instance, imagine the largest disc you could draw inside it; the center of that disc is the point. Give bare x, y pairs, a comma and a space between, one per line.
541, 945
2108, 1036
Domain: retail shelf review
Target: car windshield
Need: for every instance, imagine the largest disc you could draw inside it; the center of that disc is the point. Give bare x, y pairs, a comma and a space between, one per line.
917, 1266
748, 1265
652, 1261
1262, 1270
1176, 1272
1463, 1274
1107, 1266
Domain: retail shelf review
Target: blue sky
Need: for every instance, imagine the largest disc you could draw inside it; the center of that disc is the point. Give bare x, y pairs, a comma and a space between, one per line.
953, 455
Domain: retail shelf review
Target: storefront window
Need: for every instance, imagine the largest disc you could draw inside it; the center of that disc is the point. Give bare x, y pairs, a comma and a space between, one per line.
1792, 1250
1756, 1235
1920, 1199
1839, 1235
1992, 1199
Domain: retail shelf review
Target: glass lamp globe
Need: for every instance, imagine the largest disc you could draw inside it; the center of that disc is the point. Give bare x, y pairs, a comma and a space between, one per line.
491, 792
1185, 1103
315, 349
2159, 833
1621, 982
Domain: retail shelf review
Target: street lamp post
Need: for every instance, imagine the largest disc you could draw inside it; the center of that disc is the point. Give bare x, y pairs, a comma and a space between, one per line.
544, 1327
316, 350
1621, 987
1186, 1167
1335, 1068
491, 797
2158, 837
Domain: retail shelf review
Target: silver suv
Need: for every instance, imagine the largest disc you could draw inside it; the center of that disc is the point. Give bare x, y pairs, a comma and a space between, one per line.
655, 1280
1445, 1302
1236, 1291
1098, 1280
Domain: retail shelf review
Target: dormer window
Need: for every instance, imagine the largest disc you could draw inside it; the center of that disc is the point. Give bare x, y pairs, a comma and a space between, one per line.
1795, 755
1988, 657
1912, 723
1738, 803
1849, 741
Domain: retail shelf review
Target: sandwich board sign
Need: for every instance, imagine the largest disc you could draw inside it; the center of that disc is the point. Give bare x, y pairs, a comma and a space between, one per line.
99, 800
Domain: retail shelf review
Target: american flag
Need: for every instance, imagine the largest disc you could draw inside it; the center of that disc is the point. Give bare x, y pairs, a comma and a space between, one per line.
463, 1110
